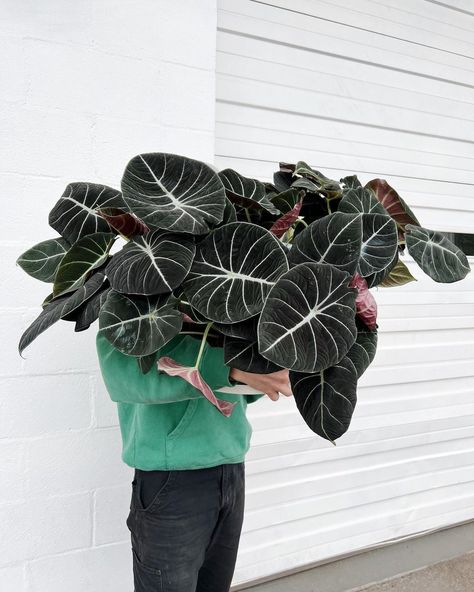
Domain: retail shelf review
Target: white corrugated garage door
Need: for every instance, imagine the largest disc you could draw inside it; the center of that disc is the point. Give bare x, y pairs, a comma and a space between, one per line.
377, 88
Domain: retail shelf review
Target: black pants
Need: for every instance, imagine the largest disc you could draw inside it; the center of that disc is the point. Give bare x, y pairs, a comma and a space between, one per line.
185, 528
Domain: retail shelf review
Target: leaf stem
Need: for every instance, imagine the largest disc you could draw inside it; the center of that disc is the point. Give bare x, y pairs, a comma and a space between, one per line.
249, 219
302, 222
203, 343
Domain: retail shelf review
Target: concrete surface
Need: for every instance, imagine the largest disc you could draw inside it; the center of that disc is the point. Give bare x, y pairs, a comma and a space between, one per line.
455, 575
439, 561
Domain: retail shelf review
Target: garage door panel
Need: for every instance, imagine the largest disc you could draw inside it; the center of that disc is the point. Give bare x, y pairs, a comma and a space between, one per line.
297, 30
377, 89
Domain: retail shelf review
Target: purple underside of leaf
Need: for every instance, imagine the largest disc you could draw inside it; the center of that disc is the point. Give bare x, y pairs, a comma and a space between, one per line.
283, 224
126, 223
366, 305
193, 376
187, 318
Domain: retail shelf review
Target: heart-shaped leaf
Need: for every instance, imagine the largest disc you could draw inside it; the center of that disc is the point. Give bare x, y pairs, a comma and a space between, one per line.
248, 193
436, 255
233, 271
363, 351
374, 279
379, 243
287, 200
366, 304
324, 185
124, 222
307, 323
230, 215
193, 376
398, 275
351, 182
360, 200
91, 309
174, 193
42, 260
155, 263
243, 355
326, 400
88, 253
139, 325
62, 307
75, 214
335, 239
393, 204
463, 240
282, 180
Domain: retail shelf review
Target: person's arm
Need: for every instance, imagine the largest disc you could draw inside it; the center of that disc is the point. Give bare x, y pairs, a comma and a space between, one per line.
126, 383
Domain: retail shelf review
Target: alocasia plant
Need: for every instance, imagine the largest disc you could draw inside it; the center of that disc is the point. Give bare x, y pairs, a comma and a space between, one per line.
278, 273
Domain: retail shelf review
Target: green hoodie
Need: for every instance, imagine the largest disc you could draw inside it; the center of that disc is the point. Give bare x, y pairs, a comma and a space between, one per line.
165, 422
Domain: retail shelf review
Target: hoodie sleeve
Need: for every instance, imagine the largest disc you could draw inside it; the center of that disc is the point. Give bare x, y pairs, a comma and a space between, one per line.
126, 383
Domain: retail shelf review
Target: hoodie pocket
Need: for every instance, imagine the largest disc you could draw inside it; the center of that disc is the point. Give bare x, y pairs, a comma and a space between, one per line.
184, 421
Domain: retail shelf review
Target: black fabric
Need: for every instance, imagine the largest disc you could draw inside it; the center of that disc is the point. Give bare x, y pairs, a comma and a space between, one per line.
185, 528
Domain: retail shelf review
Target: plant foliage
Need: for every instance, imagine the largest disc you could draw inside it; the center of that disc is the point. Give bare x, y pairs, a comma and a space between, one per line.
278, 274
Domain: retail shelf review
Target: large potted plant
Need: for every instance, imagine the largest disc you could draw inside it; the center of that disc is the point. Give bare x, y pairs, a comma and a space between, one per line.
278, 273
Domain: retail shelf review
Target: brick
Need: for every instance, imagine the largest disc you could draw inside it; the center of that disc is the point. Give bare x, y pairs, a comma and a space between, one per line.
28, 213
86, 81
117, 140
13, 72
199, 144
111, 508
43, 526
60, 348
76, 462
25, 291
184, 32
13, 579
68, 22
188, 83
12, 471
105, 410
36, 405
46, 142
11, 324
100, 569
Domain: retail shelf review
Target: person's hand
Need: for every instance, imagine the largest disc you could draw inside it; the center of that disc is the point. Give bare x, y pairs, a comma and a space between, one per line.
272, 384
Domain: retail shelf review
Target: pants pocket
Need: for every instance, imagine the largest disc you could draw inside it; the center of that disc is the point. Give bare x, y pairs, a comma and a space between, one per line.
150, 487
146, 578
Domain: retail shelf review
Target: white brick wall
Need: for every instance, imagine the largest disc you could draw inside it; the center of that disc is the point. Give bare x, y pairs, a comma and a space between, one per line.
84, 87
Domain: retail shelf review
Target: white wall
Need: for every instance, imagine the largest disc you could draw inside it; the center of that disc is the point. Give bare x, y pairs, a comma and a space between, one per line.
85, 86
377, 88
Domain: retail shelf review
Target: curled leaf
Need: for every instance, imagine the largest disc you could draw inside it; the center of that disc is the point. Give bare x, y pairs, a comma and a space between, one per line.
366, 305
193, 376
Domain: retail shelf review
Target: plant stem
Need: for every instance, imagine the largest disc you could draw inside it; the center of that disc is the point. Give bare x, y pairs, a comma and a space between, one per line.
249, 219
203, 343
301, 222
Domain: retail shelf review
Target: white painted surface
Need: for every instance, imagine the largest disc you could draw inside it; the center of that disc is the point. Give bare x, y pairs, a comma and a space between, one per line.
377, 88
84, 86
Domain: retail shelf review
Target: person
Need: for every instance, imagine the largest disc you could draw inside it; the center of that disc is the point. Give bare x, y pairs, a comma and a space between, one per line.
188, 490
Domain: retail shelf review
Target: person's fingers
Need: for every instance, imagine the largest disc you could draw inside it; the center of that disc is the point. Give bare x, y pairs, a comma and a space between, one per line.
274, 396
285, 390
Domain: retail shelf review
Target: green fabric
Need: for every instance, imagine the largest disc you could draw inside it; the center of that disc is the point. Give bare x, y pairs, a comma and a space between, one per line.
165, 422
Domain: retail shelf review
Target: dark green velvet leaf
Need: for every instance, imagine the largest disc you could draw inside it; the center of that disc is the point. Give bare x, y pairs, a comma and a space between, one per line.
308, 320
173, 192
